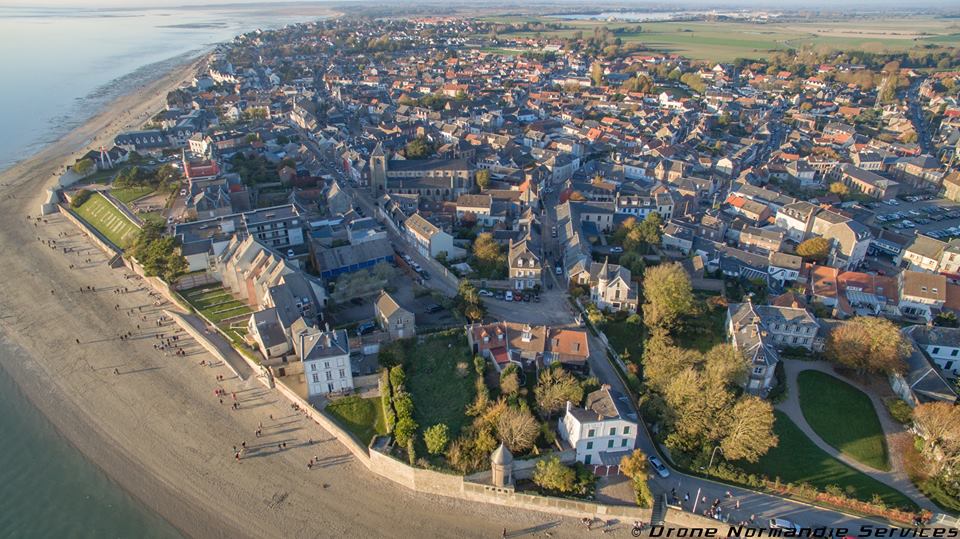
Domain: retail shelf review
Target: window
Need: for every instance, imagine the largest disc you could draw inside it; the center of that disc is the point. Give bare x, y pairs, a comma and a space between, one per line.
589, 445
316, 378
586, 459
936, 350
329, 388
609, 444
341, 373
626, 430
758, 370
623, 443
313, 366
590, 433
953, 353
613, 431
326, 364
329, 375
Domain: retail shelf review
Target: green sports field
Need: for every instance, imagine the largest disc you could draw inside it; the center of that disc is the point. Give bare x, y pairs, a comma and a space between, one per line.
108, 220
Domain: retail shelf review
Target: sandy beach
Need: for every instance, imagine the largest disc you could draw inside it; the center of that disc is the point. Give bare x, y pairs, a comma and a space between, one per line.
157, 428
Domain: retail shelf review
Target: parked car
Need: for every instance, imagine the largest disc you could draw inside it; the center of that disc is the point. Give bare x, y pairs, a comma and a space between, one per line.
518, 297
536, 299
425, 275
508, 296
486, 293
525, 297
658, 466
558, 270
434, 308
366, 327
616, 249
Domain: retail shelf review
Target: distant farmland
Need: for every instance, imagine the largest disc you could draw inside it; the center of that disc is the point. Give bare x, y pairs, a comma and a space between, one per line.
726, 40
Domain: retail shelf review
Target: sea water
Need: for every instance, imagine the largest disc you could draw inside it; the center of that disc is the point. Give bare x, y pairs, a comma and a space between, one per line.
59, 67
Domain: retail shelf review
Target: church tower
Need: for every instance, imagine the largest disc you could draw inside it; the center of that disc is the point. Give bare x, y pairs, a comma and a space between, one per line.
378, 171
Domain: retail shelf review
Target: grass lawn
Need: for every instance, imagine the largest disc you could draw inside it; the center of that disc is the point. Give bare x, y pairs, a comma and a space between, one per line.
440, 391
625, 336
844, 417
797, 460
129, 194
107, 219
216, 304
362, 417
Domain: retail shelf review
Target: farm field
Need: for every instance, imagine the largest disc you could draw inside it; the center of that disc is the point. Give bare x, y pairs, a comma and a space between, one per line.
108, 220
728, 40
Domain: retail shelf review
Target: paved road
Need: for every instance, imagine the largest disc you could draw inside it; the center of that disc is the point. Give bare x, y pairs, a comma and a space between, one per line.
915, 113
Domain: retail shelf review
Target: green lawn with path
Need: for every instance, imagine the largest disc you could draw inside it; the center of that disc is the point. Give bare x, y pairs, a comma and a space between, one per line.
844, 417
797, 460
108, 220
362, 417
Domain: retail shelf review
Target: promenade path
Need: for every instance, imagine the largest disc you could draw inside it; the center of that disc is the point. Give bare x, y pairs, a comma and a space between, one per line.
893, 431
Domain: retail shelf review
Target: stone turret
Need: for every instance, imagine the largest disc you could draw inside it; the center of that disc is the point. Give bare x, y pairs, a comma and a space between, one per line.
501, 467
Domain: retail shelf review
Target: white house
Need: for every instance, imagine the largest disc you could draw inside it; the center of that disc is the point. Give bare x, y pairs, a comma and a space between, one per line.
429, 239
326, 359
603, 431
940, 344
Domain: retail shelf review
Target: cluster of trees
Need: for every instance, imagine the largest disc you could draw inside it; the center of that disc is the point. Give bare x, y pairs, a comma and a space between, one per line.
641, 83
400, 411
483, 178
694, 82
815, 249
362, 282
868, 344
158, 254
638, 236
166, 176
668, 295
418, 148
254, 170
83, 166
435, 101
699, 399
80, 198
555, 477
938, 424
489, 260
468, 301
634, 466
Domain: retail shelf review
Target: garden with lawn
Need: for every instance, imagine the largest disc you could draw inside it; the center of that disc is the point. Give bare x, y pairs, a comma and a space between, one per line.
844, 417
129, 194
99, 213
362, 417
797, 460
216, 304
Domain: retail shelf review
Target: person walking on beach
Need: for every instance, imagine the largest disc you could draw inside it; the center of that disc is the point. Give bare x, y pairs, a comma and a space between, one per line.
116, 371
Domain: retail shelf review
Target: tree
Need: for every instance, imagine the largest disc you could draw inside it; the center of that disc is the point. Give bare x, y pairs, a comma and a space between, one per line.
650, 228
938, 423
436, 438
749, 432
817, 248
83, 166
551, 474
694, 82
663, 361
418, 148
596, 74
634, 466
725, 366
556, 386
669, 295
517, 429
868, 344
490, 260
840, 189
510, 380
483, 178
405, 430
159, 255
397, 378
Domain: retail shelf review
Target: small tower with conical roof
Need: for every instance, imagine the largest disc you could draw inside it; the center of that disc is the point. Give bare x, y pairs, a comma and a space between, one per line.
501, 467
